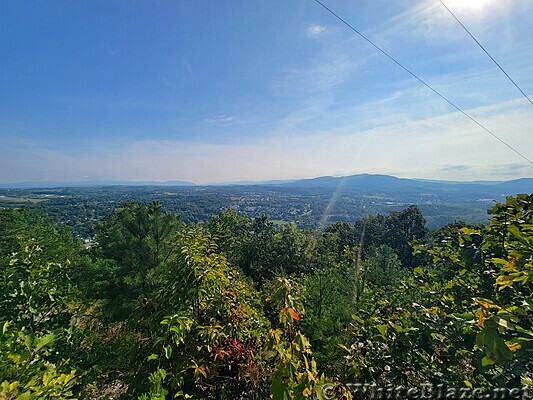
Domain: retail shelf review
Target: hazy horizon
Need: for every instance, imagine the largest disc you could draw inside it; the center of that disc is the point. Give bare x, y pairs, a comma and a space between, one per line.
208, 93
180, 182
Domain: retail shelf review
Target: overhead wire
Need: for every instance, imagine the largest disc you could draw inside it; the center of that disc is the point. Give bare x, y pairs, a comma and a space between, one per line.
486, 52
422, 81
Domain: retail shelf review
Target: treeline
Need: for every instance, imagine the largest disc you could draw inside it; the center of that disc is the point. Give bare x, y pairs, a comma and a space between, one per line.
239, 308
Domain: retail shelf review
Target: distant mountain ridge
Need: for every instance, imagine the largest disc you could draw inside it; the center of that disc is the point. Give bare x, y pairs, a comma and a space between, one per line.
365, 183
355, 181
361, 183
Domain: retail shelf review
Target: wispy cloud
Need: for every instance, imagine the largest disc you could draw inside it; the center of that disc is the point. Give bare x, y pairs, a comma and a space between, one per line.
315, 30
324, 73
429, 20
335, 106
456, 167
493, 172
321, 89
187, 66
221, 120
444, 147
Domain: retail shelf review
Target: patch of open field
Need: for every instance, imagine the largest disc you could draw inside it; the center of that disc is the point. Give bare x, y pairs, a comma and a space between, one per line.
5, 199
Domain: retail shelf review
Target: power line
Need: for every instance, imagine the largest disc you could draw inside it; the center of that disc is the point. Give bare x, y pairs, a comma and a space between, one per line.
421, 80
486, 52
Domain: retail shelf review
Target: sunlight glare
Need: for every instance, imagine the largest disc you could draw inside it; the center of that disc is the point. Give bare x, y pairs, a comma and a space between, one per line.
473, 5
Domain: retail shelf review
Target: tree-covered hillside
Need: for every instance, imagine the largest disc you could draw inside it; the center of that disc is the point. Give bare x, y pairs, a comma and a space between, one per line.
245, 308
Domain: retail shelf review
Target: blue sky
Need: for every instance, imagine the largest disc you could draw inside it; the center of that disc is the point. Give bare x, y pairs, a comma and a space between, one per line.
212, 91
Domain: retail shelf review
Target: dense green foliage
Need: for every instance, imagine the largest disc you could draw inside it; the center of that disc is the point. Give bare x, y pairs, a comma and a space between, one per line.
238, 308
